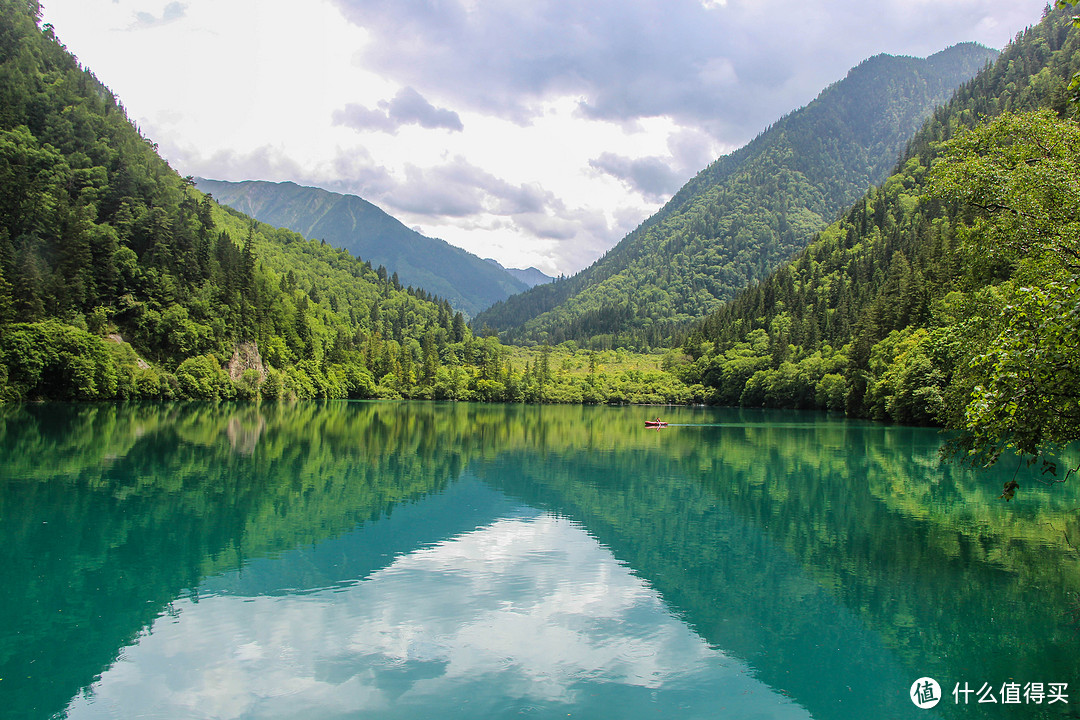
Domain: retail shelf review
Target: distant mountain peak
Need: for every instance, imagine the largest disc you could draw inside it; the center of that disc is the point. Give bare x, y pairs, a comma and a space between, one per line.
531, 276
366, 231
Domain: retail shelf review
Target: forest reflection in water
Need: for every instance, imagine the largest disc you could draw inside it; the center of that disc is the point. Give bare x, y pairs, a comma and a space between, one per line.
390, 558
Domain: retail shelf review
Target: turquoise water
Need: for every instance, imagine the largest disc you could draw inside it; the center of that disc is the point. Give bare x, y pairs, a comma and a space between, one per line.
422, 560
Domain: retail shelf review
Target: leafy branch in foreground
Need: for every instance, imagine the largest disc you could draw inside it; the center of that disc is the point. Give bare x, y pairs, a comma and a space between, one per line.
1021, 174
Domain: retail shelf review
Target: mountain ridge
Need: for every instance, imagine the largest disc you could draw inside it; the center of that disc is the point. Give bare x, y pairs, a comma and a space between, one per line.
531, 276
746, 212
354, 224
120, 280
947, 294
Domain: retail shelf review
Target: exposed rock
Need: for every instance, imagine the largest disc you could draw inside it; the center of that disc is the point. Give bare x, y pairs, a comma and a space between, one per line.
246, 357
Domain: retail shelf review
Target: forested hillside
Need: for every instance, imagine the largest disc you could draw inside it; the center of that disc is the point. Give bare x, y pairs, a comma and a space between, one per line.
948, 294
119, 279
746, 213
469, 283
100, 239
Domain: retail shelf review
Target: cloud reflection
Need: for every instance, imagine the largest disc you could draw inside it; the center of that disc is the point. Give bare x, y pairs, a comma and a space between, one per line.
525, 614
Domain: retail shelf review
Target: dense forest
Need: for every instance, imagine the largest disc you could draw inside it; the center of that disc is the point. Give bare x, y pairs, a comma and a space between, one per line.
946, 295
745, 214
469, 283
949, 294
118, 279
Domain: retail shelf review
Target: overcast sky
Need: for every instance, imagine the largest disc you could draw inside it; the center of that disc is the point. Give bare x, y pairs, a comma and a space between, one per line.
537, 132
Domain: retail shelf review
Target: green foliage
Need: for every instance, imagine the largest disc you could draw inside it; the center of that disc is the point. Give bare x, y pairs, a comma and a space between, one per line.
1074, 84
99, 238
59, 361
202, 378
745, 214
345, 221
1027, 392
907, 384
1020, 173
950, 290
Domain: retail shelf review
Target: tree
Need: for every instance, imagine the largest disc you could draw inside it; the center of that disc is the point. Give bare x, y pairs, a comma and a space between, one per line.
1020, 176
457, 333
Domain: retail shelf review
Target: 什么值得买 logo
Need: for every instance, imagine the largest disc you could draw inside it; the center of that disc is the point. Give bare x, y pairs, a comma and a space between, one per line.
926, 693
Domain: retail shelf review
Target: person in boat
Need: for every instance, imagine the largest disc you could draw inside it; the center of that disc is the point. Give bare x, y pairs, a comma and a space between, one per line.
658, 421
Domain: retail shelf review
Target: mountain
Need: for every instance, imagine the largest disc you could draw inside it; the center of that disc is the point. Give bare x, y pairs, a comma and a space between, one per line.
120, 280
745, 214
949, 293
354, 224
530, 275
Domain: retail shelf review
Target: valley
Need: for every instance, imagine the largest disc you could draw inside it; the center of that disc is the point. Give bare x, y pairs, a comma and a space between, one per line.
742, 290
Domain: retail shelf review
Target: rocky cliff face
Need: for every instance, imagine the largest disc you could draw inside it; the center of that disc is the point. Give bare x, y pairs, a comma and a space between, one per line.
246, 357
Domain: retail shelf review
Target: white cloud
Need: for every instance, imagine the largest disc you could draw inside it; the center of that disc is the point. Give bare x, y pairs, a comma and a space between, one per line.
525, 612
498, 122
653, 177
407, 108
732, 68
171, 13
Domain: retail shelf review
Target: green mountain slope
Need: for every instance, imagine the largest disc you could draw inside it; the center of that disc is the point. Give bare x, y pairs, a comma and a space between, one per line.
949, 293
747, 212
118, 279
349, 222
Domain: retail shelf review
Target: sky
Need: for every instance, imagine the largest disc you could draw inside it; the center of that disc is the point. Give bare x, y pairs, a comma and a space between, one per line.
535, 132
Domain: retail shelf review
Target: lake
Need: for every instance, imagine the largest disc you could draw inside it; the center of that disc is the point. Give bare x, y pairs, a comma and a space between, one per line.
427, 560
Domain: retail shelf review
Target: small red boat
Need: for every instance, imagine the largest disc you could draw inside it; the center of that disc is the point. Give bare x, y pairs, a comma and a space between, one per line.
655, 423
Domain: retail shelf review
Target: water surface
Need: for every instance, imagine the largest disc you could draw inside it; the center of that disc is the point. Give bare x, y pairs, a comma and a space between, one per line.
413, 560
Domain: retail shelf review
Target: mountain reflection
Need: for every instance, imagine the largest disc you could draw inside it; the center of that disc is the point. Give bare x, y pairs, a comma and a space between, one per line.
563, 555
529, 614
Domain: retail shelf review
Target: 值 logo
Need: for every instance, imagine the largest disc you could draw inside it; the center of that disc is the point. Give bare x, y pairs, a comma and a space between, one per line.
925, 693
